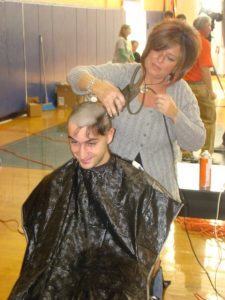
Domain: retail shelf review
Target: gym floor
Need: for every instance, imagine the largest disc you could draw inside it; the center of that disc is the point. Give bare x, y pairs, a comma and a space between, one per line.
31, 147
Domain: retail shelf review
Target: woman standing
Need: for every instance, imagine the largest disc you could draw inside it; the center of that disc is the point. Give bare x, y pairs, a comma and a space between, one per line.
163, 115
123, 51
170, 113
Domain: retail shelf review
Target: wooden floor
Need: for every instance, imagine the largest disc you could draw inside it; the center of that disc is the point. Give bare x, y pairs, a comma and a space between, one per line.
179, 262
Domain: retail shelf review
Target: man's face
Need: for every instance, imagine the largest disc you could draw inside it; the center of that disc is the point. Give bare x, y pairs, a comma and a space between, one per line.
92, 150
206, 30
134, 46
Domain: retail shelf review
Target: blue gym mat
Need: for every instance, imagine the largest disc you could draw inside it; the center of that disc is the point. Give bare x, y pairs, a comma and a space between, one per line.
47, 149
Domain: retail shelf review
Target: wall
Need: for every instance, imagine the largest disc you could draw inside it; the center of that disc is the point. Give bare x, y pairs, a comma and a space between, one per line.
148, 4
81, 3
155, 5
190, 8
137, 24
71, 36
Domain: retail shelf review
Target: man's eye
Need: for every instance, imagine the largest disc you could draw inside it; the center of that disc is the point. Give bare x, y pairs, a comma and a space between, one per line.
73, 142
91, 143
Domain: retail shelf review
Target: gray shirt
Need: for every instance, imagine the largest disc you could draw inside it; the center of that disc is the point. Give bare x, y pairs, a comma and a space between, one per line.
146, 132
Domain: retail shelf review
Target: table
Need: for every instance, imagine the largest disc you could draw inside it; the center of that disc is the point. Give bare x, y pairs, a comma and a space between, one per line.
201, 203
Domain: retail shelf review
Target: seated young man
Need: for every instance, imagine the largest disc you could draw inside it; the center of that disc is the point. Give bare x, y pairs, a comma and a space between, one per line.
96, 225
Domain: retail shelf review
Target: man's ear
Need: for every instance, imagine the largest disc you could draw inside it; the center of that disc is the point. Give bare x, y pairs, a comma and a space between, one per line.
110, 135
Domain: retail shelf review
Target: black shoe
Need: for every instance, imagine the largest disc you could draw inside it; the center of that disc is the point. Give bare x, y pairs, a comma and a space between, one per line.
166, 283
189, 158
220, 148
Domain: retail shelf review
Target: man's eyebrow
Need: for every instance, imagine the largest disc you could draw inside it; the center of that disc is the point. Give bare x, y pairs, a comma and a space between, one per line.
92, 139
89, 140
70, 137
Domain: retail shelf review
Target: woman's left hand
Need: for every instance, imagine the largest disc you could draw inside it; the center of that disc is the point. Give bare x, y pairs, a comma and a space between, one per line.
165, 104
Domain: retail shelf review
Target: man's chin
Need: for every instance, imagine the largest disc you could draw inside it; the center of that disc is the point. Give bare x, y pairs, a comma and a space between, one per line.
86, 164
86, 167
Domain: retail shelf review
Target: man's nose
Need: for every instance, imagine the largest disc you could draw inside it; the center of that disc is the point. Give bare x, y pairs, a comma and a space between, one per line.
82, 150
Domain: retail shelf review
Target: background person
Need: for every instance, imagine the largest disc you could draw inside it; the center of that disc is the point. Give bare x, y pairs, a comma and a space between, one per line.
168, 14
123, 52
96, 225
134, 46
199, 79
170, 114
181, 17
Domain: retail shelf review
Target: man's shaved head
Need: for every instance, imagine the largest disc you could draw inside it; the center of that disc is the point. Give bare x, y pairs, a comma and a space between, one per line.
91, 115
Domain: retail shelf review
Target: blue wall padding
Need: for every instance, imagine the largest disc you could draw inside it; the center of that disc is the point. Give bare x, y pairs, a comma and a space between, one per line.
71, 36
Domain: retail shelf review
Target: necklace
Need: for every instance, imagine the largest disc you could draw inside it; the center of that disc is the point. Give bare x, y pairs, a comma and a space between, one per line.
145, 88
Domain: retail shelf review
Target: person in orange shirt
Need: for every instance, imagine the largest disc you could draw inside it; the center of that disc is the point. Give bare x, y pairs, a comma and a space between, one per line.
199, 79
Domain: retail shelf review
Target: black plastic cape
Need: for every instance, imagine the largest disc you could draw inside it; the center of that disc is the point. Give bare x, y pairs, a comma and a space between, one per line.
93, 234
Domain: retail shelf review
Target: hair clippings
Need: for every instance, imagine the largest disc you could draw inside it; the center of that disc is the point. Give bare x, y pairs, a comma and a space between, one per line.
145, 88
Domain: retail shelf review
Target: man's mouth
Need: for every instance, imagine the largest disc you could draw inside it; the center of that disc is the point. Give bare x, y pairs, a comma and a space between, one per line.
85, 161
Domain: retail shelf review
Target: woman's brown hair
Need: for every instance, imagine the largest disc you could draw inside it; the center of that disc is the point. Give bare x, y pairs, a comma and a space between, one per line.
123, 30
169, 33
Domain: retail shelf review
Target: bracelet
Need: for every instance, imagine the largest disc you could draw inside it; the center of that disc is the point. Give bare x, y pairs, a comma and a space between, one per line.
90, 85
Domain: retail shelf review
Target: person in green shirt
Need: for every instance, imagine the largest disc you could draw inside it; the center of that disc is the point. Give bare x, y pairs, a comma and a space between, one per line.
123, 50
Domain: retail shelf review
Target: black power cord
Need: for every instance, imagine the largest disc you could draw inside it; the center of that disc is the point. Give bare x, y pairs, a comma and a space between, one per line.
186, 210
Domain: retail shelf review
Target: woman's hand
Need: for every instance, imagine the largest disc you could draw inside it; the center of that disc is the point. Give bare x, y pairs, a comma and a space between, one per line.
165, 104
110, 96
